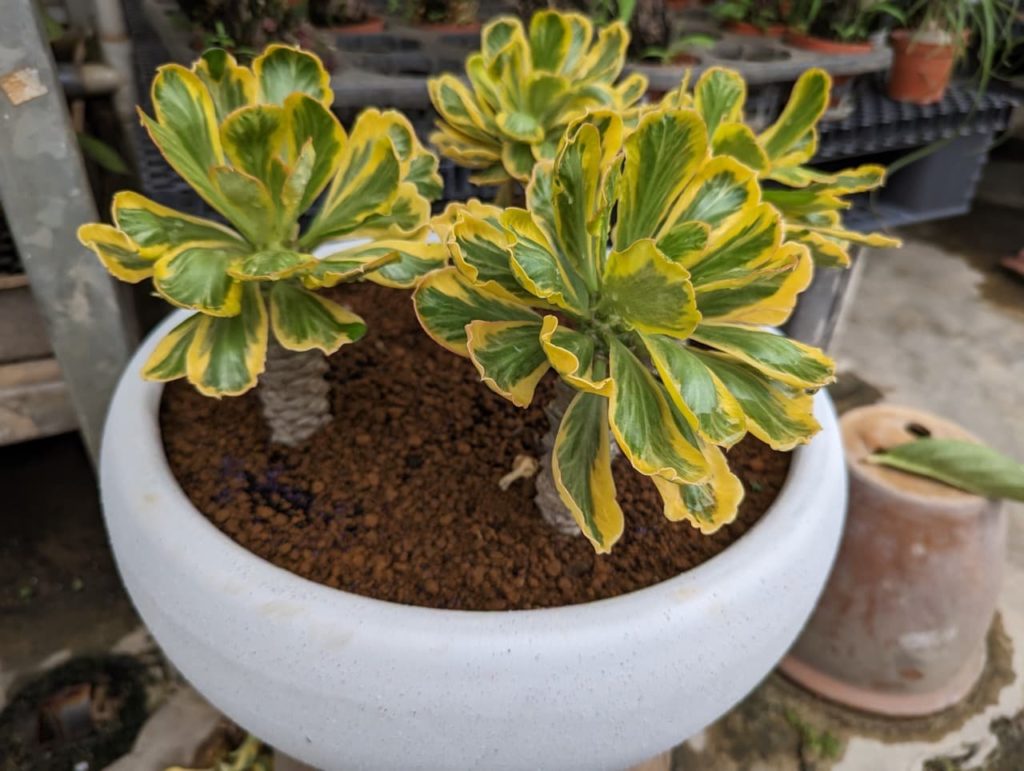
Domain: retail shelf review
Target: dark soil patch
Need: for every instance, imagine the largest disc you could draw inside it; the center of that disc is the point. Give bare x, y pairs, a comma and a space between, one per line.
84, 714
398, 498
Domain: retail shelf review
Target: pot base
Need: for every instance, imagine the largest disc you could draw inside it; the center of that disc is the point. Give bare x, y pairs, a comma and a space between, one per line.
882, 702
662, 762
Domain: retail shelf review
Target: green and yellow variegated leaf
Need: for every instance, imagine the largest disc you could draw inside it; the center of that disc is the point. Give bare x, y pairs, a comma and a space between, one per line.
270, 264
195, 276
701, 398
154, 228
648, 292
118, 253
797, 204
227, 355
309, 122
442, 223
539, 266
552, 38
348, 264
169, 359
497, 34
185, 128
480, 249
283, 70
247, 204
737, 140
303, 320
641, 419
825, 252
802, 112
413, 259
574, 356
508, 356
746, 245
230, 86
782, 359
708, 506
724, 189
582, 470
445, 302
719, 97
251, 137
777, 414
457, 106
574, 189
365, 184
661, 158
406, 215
876, 240
767, 297
604, 62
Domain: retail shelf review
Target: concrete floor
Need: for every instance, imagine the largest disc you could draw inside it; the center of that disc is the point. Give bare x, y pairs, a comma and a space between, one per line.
936, 325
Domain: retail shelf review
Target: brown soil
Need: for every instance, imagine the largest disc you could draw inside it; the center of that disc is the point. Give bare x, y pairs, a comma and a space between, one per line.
398, 498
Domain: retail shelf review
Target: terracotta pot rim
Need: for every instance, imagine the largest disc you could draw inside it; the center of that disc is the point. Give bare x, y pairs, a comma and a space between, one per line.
746, 29
825, 45
371, 24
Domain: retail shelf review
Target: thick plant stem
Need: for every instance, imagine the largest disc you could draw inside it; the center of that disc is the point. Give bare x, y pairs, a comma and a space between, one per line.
547, 499
293, 391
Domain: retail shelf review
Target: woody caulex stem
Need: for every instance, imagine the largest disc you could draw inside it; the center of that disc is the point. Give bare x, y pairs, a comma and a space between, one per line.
293, 391
547, 499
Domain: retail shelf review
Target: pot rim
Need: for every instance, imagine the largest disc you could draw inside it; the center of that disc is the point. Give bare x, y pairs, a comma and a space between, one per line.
132, 439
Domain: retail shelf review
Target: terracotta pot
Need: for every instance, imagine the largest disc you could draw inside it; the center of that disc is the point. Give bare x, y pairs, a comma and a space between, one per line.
371, 26
341, 681
824, 45
901, 627
920, 70
750, 30
449, 27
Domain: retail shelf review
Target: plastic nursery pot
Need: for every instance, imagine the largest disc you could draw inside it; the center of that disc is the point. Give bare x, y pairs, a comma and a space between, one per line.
341, 681
900, 629
824, 45
372, 26
920, 70
750, 30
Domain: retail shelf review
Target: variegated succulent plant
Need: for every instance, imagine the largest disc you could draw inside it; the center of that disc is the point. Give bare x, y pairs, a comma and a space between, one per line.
261, 147
643, 272
810, 202
525, 89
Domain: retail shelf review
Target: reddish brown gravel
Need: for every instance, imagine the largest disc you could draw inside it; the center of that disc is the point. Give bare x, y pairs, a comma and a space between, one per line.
398, 498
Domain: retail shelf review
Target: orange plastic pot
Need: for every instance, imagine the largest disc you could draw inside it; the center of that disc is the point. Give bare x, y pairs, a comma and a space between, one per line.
920, 71
824, 45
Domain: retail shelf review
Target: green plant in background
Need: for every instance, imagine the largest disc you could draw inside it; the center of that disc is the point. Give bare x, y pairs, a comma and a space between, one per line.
856, 21
457, 12
525, 89
989, 25
810, 202
260, 146
642, 271
844, 20
760, 13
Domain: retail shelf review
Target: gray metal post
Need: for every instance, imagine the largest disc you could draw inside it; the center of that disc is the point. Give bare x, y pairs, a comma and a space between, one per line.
820, 308
46, 196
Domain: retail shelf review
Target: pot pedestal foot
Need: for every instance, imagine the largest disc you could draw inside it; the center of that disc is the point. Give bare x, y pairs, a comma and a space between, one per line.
662, 762
882, 702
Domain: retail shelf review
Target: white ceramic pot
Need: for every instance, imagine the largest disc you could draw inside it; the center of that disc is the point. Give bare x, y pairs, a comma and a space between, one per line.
347, 682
